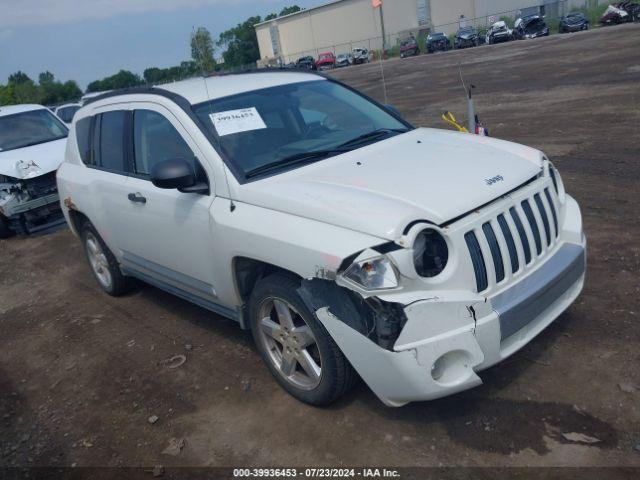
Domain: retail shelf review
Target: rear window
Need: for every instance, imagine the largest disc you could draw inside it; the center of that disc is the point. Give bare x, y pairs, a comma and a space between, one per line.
66, 113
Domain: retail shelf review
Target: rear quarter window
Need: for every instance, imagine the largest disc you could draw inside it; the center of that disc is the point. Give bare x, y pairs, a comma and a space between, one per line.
112, 146
83, 137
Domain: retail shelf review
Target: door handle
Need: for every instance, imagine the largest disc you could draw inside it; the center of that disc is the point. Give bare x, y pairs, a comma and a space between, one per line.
137, 198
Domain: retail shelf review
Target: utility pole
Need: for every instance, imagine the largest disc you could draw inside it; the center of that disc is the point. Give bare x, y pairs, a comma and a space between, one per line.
384, 37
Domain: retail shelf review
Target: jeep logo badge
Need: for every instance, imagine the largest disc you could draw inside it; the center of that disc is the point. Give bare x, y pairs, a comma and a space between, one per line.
492, 180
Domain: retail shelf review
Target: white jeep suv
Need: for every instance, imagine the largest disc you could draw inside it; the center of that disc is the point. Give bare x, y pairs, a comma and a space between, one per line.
344, 238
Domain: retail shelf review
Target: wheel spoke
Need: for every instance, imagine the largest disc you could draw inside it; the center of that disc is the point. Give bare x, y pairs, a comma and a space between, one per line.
93, 248
309, 365
271, 328
288, 365
284, 314
304, 336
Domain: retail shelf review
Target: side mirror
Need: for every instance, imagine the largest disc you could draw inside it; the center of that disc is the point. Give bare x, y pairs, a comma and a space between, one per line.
177, 173
393, 110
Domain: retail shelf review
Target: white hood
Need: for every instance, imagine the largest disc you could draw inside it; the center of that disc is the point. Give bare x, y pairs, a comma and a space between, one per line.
33, 161
426, 174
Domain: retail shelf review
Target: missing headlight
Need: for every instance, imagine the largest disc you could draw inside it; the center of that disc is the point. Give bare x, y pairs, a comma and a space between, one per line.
430, 253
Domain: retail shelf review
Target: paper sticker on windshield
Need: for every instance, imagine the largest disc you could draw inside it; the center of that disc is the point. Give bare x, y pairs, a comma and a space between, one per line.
237, 121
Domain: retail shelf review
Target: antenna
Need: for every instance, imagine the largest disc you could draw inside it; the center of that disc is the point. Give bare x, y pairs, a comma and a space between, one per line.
232, 205
384, 82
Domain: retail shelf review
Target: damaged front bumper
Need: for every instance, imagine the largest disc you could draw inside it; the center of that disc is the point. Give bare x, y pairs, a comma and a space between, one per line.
446, 341
31, 205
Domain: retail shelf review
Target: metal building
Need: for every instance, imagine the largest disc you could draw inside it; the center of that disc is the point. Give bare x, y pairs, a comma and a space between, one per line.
341, 25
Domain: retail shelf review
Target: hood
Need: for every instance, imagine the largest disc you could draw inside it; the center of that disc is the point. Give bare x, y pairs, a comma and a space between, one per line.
535, 25
425, 174
33, 161
467, 36
574, 20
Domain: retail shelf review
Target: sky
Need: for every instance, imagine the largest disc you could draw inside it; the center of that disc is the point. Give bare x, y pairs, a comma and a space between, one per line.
86, 40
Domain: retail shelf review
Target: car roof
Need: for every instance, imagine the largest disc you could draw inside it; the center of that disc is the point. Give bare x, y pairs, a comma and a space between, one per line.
198, 90
71, 104
11, 109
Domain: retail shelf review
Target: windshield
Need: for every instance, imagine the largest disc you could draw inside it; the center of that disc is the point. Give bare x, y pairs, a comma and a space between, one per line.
66, 113
437, 36
264, 127
30, 128
464, 31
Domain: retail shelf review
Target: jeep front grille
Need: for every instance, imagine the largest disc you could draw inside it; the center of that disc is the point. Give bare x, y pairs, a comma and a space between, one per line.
504, 246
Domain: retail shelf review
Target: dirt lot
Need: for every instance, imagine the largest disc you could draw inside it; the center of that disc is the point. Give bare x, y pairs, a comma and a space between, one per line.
81, 373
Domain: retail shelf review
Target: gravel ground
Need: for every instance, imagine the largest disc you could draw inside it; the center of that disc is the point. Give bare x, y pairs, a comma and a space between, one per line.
81, 373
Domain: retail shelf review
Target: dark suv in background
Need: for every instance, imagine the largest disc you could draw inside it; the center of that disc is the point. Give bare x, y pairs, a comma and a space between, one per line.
466, 37
306, 63
573, 22
438, 42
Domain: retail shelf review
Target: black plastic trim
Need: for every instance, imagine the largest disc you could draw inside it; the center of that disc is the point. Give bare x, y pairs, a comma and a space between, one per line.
496, 254
477, 260
533, 224
522, 234
511, 245
553, 210
545, 218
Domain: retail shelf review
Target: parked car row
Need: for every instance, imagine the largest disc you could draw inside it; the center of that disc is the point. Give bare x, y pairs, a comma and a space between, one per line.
328, 60
526, 27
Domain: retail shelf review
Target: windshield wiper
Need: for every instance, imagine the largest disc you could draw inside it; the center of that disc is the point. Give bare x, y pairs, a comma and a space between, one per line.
372, 135
303, 157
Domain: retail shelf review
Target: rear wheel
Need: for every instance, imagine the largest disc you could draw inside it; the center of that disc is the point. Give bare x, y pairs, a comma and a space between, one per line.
5, 230
296, 347
104, 265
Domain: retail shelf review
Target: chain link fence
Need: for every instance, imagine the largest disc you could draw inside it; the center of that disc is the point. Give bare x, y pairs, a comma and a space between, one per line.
552, 12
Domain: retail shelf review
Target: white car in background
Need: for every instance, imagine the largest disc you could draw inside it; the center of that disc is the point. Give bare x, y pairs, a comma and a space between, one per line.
32, 146
67, 111
346, 239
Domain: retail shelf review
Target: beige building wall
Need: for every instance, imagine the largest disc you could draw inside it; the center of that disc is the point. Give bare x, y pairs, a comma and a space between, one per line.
338, 27
343, 25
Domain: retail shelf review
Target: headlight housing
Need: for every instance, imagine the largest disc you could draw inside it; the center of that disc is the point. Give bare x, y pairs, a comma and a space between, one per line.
557, 182
376, 273
430, 253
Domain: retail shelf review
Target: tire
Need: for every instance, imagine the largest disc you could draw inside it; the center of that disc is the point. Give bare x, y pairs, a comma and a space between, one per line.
103, 263
5, 230
335, 375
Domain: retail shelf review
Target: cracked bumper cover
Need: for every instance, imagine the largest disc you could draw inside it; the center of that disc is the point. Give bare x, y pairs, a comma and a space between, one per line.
432, 364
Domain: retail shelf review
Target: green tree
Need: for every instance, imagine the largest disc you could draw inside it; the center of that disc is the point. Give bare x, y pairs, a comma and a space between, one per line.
289, 10
46, 77
156, 76
122, 79
202, 49
21, 89
240, 44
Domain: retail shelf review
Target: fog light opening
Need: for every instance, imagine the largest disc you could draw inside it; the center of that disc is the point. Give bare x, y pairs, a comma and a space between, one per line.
452, 367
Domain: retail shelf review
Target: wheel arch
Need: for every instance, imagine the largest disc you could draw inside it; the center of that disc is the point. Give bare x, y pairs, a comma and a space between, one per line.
76, 220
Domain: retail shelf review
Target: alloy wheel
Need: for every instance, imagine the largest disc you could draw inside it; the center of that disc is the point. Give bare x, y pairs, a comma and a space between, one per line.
289, 343
98, 261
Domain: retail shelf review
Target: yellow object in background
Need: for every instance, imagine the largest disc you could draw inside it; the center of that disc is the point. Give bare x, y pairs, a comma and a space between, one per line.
451, 120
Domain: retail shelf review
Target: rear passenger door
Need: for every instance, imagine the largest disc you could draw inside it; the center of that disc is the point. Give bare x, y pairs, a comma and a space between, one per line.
166, 236
106, 157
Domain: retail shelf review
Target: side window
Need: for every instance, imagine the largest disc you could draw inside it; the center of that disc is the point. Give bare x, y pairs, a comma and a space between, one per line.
112, 146
156, 140
83, 130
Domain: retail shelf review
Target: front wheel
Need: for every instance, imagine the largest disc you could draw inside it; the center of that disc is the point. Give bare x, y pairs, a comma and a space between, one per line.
296, 347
